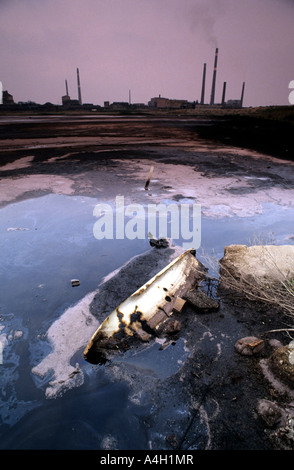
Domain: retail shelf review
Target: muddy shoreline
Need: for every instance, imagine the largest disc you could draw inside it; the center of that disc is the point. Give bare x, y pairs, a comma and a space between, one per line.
269, 136
76, 148
218, 389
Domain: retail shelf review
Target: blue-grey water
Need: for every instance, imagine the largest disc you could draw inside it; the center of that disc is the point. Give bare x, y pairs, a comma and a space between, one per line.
46, 242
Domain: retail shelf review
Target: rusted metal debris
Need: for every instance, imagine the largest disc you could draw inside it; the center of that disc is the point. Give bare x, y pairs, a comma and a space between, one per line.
179, 304
141, 315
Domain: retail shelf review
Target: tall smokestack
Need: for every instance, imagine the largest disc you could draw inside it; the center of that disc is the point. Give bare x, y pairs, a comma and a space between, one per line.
242, 94
214, 77
203, 84
66, 88
79, 87
224, 93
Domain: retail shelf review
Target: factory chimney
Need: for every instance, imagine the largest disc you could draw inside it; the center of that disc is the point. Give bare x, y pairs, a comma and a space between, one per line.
214, 77
224, 93
203, 84
79, 87
66, 97
242, 95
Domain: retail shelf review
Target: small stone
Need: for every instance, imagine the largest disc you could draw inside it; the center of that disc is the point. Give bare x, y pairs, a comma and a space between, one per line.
161, 243
269, 412
249, 345
18, 334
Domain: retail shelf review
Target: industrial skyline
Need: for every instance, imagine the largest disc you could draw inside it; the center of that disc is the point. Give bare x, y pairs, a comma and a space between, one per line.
172, 102
156, 102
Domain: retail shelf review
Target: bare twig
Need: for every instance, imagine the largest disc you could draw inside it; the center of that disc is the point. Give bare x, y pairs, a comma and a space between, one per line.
195, 413
279, 293
278, 330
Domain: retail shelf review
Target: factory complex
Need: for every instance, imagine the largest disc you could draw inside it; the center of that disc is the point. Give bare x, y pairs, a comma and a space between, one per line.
158, 102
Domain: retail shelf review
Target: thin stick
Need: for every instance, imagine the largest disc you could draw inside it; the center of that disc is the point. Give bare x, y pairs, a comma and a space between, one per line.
278, 330
149, 177
207, 389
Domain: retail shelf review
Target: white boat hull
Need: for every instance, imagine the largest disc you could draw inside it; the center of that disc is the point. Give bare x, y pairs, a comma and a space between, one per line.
141, 314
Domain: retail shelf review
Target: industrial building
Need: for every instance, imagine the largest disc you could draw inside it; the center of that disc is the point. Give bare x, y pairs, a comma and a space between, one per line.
67, 102
7, 98
167, 103
66, 97
235, 103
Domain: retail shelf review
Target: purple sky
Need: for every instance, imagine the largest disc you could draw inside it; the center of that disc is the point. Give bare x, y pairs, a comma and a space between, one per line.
151, 47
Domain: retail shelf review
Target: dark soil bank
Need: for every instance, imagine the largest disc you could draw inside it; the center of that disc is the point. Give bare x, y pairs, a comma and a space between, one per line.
268, 132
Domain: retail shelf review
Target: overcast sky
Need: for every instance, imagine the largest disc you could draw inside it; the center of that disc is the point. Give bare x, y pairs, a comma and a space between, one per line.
150, 47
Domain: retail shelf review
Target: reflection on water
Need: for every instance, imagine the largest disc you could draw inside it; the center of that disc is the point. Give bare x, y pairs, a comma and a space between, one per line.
45, 243
274, 226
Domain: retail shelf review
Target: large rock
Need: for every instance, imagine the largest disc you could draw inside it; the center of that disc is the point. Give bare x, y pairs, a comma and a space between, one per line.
259, 263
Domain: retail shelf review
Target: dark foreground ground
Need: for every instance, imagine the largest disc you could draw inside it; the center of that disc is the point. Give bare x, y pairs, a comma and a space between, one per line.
220, 388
